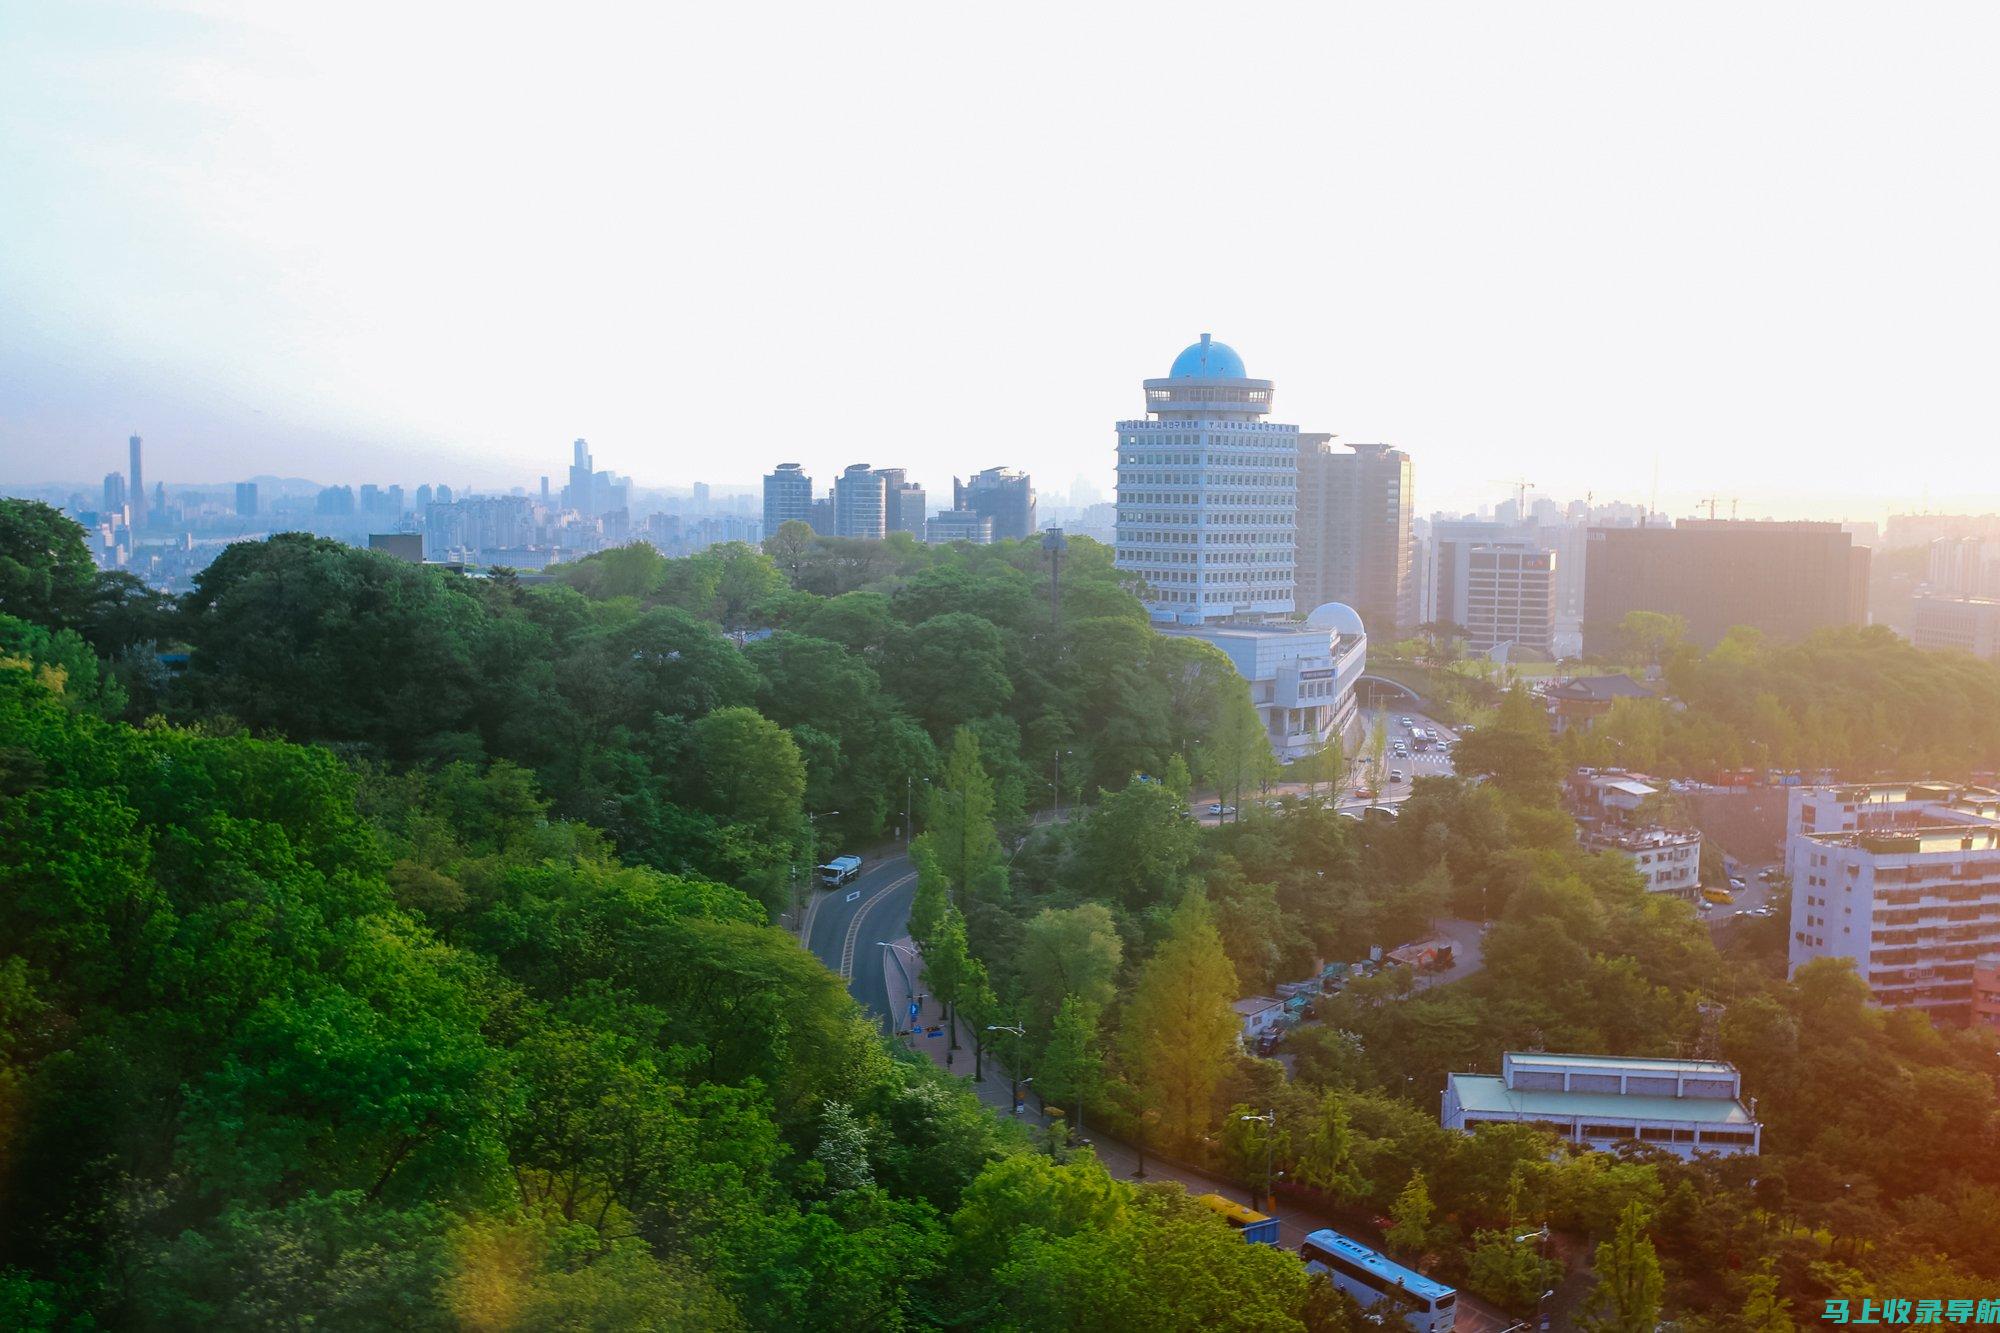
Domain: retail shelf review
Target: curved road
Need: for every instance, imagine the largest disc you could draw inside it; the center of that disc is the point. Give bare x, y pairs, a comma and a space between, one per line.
848, 923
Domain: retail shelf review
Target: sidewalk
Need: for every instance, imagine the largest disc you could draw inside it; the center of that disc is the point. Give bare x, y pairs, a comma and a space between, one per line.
900, 971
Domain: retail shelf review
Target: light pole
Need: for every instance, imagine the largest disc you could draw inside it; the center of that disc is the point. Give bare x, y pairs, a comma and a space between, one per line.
1018, 1032
1270, 1122
900, 949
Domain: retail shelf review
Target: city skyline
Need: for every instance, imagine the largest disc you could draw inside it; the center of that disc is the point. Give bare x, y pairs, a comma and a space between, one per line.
1595, 278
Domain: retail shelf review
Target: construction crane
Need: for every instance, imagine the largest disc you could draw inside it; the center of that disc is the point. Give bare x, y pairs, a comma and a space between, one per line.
1521, 487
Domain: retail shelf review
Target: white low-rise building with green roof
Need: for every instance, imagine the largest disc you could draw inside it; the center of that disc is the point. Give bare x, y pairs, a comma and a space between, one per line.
1600, 1101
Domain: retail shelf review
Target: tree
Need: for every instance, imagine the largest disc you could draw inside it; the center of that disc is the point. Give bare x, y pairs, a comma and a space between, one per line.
1509, 1272
1072, 1070
1629, 1281
1236, 753
1180, 1028
1764, 1309
748, 768
46, 575
1411, 1215
1068, 951
790, 547
1136, 847
959, 839
1327, 1163
946, 963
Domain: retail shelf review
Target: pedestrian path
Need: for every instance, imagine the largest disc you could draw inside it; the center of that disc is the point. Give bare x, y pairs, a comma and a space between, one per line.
995, 1089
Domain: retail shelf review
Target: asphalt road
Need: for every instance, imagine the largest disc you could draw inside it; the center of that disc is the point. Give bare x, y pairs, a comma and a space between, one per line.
846, 925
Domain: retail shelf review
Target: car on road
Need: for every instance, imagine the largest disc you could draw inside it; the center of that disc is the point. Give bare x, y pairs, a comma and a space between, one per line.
1767, 874
1217, 808
1737, 882
1395, 775
1407, 722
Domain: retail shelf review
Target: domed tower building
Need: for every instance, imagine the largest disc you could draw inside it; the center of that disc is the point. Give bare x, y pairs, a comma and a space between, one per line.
1208, 493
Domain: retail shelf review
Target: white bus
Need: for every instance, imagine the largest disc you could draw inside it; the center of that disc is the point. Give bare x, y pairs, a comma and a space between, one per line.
1426, 1306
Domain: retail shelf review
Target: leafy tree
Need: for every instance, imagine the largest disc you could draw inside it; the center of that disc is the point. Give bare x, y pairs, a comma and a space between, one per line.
1136, 847
1411, 1215
46, 575
1072, 1069
1764, 1309
1180, 1028
1509, 1272
1629, 1281
959, 843
748, 768
1329, 1155
1065, 952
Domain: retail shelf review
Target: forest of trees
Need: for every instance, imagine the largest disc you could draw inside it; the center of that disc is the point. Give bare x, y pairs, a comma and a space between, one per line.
380, 946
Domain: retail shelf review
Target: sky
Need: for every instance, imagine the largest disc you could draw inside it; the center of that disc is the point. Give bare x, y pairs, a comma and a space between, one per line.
1746, 250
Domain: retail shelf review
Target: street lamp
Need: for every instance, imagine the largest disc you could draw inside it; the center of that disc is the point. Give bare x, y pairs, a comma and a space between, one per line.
1270, 1122
1018, 1031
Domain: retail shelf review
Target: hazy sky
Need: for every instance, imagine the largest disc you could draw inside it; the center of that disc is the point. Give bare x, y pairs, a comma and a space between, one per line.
1756, 246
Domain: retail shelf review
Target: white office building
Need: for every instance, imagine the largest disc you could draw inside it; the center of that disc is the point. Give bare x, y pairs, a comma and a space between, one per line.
1600, 1101
1301, 675
1208, 493
1903, 881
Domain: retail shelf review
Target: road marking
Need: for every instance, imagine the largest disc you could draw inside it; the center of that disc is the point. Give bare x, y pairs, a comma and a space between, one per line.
860, 915
852, 896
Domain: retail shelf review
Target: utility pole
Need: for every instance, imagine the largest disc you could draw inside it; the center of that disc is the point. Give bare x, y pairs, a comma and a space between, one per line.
1270, 1122
1055, 544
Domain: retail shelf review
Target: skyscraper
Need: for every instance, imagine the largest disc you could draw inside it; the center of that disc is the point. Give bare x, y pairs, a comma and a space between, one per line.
114, 492
1003, 494
904, 501
860, 503
246, 499
788, 497
137, 477
1498, 589
1354, 531
1208, 492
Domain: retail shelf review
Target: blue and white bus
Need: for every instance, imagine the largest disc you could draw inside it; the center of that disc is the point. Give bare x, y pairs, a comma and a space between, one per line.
1371, 1278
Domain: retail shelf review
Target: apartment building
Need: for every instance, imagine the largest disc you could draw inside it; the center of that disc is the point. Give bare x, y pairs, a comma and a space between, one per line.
1902, 880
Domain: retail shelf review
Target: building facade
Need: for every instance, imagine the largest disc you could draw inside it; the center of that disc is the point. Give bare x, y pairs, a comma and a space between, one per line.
1301, 677
1003, 494
788, 497
1903, 881
1499, 589
1786, 579
1600, 1101
1354, 541
959, 525
860, 503
1967, 624
1208, 493
902, 501
136, 478
246, 499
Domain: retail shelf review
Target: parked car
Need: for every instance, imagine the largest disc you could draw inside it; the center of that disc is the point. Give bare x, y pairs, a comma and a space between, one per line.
1217, 808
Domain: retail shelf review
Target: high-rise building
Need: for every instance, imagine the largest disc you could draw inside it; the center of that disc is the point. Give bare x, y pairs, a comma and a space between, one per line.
1965, 567
1786, 579
1965, 624
114, 492
788, 497
860, 503
335, 501
1208, 492
246, 499
136, 474
903, 500
1354, 531
1498, 589
820, 516
1003, 494
1903, 881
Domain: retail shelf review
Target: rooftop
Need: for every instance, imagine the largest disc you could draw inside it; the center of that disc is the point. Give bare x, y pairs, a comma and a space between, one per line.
1255, 1004
1622, 1064
1598, 688
1207, 360
1487, 1094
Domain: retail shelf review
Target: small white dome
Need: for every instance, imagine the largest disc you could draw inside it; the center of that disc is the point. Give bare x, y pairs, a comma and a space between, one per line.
1338, 617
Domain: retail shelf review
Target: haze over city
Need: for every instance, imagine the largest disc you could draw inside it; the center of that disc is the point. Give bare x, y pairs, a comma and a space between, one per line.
1586, 247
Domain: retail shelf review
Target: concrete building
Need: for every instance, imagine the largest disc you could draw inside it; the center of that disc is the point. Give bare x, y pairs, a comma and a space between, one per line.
403, 545
788, 497
959, 525
1256, 1015
136, 477
1667, 859
1500, 589
1986, 991
1003, 494
1969, 624
903, 501
1903, 881
1786, 579
1354, 531
1301, 676
1208, 493
1964, 567
1684, 1106
860, 503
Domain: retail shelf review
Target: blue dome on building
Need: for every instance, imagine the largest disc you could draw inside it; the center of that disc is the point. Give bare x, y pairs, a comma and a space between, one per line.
1208, 360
